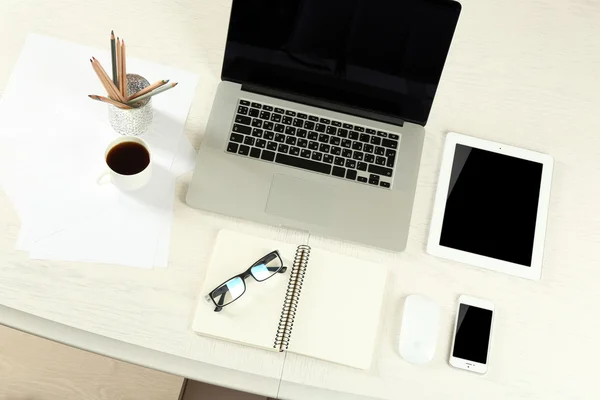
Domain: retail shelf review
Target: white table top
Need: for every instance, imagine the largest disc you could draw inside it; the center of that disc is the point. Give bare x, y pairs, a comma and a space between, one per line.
521, 72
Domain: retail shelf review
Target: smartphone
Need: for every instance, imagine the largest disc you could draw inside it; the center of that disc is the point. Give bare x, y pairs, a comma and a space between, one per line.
472, 334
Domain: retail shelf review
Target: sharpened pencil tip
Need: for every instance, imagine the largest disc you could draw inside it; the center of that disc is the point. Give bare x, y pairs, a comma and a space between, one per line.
175, 84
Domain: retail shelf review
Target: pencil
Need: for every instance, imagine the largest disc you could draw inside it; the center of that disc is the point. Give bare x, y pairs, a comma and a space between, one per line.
113, 55
109, 101
124, 77
108, 84
148, 89
153, 93
119, 65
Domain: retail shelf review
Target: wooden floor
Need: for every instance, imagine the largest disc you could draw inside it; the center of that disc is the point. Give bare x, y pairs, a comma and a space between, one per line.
32, 368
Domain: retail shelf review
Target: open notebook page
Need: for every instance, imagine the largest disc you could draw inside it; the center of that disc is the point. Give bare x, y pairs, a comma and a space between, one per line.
339, 309
253, 318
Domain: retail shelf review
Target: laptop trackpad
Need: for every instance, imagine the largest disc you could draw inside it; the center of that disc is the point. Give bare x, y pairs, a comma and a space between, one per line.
300, 199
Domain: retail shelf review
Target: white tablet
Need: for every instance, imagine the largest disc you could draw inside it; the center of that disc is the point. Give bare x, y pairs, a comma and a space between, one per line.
491, 206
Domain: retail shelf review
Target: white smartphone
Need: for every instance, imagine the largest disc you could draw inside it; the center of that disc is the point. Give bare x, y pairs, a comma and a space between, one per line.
472, 334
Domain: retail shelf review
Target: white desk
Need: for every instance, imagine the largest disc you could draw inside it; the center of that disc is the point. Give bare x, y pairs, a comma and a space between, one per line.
521, 72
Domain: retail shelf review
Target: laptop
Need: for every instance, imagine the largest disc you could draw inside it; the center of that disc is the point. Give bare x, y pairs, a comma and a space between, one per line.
318, 121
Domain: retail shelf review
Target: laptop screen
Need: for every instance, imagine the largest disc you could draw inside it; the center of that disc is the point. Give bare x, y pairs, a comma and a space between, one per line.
382, 56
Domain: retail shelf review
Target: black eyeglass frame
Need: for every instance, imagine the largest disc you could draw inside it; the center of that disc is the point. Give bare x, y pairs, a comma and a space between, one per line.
263, 260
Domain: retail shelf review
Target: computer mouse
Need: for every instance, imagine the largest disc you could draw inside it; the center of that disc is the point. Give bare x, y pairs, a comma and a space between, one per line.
419, 330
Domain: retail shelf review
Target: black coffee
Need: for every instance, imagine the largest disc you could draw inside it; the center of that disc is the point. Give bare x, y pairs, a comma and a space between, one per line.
128, 158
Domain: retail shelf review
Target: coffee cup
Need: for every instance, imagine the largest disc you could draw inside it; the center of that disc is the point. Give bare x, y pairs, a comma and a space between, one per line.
128, 163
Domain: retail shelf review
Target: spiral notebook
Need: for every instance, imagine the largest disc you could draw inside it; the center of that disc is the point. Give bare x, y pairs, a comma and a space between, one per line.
325, 305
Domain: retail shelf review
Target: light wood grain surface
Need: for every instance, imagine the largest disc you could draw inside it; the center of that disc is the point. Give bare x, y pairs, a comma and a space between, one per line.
522, 73
35, 368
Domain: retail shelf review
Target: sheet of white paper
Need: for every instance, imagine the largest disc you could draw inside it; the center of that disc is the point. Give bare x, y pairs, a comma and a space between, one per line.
52, 142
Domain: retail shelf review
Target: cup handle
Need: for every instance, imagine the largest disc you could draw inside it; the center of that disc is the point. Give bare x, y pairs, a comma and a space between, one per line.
103, 178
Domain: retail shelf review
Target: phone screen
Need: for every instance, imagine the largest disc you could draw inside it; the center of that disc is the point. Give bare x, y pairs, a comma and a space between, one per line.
472, 333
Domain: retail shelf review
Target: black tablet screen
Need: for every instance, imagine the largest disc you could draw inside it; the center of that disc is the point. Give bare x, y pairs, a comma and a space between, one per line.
491, 206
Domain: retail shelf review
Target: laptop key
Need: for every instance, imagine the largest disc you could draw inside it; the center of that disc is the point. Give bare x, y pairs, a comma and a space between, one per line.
331, 130
268, 135
368, 148
382, 134
384, 184
313, 135
325, 121
261, 143
376, 140
298, 123
244, 150
279, 138
336, 151
380, 160
242, 110
290, 113
257, 123
303, 163
374, 179
267, 108
390, 162
256, 105
313, 145
324, 148
317, 156
362, 179
370, 158
313, 118
359, 129
351, 174
257, 132
237, 138
301, 115
279, 128
361, 166
309, 125
291, 140
232, 147
353, 135
249, 140
276, 117
328, 158
244, 102
254, 112
240, 119
265, 115
305, 153
350, 164
254, 152
390, 153
287, 120
392, 144
339, 171
295, 151
335, 141
267, 155
358, 155
346, 143
301, 133
339, 161
342, 132
371, 131
380, 151
302, 143
336, 123
268, 125
283, 148
279, 110
348, 126
323, 138
272, 146
357, 146
320, 128
393, 136
365, 138
376, 169
347, 153
290, 130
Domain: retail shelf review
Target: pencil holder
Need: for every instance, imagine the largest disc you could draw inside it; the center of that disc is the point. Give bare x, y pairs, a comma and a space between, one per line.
135, 121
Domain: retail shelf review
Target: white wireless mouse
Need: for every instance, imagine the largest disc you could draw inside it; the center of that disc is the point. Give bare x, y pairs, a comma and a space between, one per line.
419, 331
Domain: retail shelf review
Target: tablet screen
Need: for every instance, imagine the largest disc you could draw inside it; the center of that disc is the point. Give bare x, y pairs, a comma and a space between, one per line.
491, 205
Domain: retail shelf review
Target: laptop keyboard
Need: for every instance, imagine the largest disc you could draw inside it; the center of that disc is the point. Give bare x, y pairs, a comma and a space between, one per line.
314, 143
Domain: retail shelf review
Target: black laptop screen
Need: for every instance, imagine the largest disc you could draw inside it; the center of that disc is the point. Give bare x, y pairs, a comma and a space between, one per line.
376, 55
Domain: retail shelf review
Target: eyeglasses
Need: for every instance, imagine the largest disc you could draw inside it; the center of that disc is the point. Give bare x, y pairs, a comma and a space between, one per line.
233, 288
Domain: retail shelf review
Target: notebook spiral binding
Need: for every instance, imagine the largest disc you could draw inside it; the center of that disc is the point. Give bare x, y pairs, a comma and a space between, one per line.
292, 296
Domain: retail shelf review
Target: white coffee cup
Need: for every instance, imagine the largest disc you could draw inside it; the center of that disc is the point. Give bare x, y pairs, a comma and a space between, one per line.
126, 166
